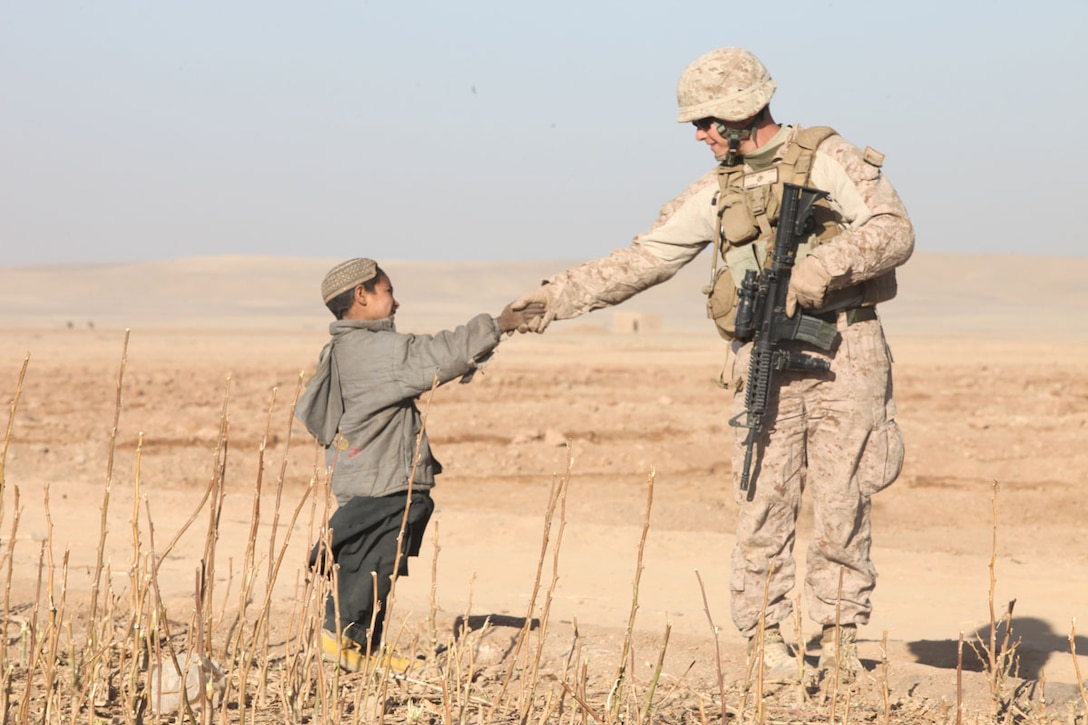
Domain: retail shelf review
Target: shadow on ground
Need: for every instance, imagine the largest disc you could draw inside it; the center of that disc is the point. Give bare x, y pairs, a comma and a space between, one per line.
1035, 641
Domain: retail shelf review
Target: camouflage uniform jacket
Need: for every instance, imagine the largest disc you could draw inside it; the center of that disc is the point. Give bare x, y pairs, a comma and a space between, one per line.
876, 236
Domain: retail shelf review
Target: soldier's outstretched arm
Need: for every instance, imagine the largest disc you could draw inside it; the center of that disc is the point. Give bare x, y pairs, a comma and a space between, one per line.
684, 227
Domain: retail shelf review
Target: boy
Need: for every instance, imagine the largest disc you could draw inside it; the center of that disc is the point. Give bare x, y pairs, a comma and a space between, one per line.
360, 405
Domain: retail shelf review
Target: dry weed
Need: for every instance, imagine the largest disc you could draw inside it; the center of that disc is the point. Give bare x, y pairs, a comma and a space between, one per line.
138, 659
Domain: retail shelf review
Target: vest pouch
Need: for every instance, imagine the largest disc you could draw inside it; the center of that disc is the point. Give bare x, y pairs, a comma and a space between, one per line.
738, 223
741, 259
721, 299
721, 303
879, 289
841, 299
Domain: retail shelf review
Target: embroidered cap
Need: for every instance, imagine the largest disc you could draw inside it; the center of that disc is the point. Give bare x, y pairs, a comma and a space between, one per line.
347, 275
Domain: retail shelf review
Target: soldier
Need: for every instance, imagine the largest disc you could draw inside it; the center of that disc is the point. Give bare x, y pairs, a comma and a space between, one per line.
833, 433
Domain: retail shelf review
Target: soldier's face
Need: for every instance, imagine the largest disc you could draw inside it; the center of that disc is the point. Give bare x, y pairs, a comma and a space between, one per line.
706, 131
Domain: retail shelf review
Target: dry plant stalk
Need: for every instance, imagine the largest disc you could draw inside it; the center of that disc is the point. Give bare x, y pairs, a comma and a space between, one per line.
249, 564
719, 676
615, 695
164, 622
15, 522
51, 630
1076, 665
757, 660
572, 657
31, 657
959, 681
10, 429
10, 554
646, 709
281, 478
885, 690
96, 582
519, 644
580, 699
999, 658
432, 613
272, 561
215, 511
542, 633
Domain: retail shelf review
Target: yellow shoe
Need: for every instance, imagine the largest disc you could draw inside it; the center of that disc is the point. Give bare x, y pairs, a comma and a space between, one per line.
351, 657
392, 662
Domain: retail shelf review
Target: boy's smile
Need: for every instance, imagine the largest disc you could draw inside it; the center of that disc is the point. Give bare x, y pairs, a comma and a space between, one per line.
376, 305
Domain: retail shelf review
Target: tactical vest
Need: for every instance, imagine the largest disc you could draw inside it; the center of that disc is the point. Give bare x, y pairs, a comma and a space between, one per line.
748, 205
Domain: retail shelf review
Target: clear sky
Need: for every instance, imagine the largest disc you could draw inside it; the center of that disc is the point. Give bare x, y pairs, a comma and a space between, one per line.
135, 130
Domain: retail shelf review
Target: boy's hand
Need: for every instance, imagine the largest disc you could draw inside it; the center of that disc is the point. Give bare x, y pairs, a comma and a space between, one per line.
511, 319
538, 297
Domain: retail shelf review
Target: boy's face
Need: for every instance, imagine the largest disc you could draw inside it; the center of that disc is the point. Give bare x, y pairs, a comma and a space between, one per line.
376, 305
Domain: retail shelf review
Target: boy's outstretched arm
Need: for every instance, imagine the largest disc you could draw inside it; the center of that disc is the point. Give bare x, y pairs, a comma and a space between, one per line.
453, 354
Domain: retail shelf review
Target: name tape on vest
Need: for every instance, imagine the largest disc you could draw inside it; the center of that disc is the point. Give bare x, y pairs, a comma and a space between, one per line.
761, 178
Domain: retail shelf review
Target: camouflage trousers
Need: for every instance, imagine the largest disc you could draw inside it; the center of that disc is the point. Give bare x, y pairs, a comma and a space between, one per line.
835, 435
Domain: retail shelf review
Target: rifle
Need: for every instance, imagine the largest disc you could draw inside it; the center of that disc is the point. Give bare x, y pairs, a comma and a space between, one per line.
761, 316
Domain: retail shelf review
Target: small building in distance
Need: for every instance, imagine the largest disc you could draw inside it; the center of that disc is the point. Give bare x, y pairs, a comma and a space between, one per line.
635, 322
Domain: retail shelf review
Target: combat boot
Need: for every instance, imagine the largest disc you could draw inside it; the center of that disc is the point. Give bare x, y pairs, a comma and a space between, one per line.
839, 653
779, 664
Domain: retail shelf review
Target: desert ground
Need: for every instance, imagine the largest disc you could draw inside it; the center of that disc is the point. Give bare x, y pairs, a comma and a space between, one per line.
991, 376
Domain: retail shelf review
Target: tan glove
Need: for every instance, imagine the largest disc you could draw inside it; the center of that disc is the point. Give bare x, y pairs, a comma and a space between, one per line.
538, 303
510, 319
808, 285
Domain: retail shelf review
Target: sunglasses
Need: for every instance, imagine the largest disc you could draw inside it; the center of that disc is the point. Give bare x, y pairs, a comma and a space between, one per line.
704, 124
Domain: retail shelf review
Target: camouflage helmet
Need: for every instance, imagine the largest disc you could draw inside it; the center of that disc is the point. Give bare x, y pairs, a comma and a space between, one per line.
728, 83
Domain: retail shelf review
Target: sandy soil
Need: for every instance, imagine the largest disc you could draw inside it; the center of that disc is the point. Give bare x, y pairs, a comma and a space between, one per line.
981, 413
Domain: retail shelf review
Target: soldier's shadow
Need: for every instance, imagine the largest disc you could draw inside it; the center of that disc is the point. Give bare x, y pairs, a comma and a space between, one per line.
1036, 642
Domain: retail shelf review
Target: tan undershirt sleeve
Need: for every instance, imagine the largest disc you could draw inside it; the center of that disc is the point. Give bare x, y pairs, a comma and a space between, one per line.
684, 226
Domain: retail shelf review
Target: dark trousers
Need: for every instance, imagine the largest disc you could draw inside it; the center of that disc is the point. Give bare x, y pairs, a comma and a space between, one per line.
364, 548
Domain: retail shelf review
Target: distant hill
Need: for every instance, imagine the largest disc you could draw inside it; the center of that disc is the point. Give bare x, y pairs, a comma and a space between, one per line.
939, 294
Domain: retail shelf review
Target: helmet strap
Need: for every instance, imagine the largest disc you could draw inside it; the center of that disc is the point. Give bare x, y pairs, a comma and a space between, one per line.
735, 135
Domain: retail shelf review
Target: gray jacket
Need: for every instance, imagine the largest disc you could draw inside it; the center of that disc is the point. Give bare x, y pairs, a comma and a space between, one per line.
365, 387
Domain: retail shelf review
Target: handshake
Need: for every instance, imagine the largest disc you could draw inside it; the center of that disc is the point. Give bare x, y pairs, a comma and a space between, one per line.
534, 311
529, 313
